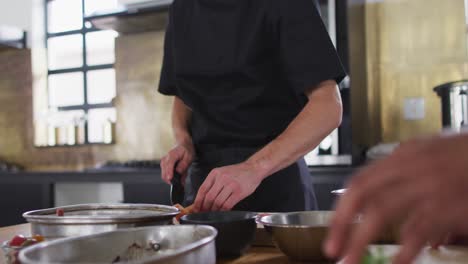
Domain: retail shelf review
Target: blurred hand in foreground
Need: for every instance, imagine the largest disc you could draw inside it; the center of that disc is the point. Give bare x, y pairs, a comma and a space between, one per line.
423, 186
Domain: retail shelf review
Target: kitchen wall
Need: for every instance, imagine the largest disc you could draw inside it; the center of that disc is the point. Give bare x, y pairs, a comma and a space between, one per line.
15, 104
9, 11
143, 125
402, 49
398, 49
144, 115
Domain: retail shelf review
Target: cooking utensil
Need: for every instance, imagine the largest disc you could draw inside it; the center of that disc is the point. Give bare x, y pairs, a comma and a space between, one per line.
85, 219
177, 189
339, 192
298, 235
177, 244
236, 230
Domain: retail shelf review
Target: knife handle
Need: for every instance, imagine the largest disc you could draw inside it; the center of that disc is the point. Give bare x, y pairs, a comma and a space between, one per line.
177, 189
176, 179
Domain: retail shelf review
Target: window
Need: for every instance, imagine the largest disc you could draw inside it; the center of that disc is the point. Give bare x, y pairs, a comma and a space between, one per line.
336, 148
81, 75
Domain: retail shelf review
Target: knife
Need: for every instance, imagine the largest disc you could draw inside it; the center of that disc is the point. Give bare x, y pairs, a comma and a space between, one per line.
177, 189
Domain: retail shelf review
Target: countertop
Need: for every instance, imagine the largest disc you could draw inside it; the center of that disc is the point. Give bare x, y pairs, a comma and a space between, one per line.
271, 255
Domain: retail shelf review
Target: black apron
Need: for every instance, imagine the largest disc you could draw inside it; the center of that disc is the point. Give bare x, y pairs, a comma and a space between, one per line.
285, 191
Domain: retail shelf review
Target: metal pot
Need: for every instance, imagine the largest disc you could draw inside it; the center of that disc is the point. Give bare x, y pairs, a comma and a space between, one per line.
161, 244
454, 104
86, 219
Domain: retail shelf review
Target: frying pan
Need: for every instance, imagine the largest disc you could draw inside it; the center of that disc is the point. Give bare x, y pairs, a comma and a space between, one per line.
236, 230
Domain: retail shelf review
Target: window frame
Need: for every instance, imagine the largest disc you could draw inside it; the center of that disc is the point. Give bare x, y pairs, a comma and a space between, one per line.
85, 68
342, 46
338, 30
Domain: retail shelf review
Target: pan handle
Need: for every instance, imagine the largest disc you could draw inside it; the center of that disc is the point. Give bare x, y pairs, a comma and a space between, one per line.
177, 188
176, 179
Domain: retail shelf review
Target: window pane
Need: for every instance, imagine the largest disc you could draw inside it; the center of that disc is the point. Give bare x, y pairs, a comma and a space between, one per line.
100, 47
323, 153
66, 127
66, 89
64, 15
100, 122
65, 52
101, 86
92, 6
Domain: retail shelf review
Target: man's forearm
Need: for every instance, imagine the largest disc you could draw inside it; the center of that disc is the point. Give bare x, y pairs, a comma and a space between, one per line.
319, 118
181, 116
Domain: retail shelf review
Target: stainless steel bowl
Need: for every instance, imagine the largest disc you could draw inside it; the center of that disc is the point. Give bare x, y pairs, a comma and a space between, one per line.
298, 235
86, 219
176, 244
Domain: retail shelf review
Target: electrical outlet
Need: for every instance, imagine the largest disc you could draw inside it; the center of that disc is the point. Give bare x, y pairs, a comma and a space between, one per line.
414, 108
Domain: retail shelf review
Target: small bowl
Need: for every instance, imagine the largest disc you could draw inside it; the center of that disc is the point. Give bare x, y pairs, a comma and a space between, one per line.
11, 252
299, 235
236, 230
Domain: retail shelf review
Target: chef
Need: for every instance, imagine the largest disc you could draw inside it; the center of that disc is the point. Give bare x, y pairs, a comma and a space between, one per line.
255, 89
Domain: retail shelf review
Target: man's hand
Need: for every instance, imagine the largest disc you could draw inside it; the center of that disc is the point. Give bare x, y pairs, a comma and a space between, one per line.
226, 186
182, 155
423, 186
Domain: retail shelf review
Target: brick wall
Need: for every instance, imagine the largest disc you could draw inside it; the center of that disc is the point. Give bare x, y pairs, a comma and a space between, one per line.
143, 116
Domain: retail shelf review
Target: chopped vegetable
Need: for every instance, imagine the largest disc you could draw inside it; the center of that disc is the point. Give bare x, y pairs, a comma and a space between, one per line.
183, 211
16, 244
38, 238
29, 242
17, 241
59, 212
376, 258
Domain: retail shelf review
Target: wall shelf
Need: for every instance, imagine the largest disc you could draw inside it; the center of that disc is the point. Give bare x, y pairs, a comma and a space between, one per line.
132, 20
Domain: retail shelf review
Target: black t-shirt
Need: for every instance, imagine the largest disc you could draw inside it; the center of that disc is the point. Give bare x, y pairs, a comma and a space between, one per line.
242, 66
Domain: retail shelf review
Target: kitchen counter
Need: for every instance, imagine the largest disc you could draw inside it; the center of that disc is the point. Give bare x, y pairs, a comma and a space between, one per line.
271, 255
